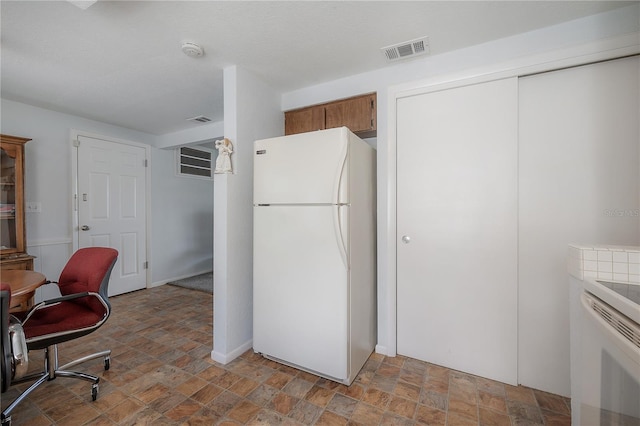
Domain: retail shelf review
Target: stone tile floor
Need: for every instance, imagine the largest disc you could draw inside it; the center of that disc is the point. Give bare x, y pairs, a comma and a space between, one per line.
162, 373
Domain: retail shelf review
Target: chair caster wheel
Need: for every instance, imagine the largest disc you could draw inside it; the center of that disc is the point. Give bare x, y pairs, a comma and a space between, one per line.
94, 392
6, 421
107, 363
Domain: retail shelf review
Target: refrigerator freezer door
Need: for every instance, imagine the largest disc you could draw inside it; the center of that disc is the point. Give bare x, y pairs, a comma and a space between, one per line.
301, 288
307, 168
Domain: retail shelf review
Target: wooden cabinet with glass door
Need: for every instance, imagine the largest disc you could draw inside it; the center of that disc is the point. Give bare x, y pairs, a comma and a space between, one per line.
13, 253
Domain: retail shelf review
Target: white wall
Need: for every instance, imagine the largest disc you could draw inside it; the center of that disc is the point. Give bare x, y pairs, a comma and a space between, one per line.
252, 111
182, 221
200, 133
451, 66
48, 180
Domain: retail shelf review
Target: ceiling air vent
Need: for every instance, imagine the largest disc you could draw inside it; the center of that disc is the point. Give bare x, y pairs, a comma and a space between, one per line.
199, 119
407, 49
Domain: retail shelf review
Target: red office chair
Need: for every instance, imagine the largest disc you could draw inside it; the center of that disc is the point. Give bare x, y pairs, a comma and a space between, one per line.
82, 309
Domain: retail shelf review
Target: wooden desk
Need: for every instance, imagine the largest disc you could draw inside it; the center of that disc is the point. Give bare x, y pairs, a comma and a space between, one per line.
23, 286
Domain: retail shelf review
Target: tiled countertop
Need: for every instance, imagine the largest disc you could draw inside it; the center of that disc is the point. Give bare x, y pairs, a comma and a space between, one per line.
605, 262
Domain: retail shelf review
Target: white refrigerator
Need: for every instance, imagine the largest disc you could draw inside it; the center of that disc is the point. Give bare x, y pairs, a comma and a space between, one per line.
314, 304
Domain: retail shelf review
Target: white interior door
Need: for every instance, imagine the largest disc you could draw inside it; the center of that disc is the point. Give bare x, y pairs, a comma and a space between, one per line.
112, 207
457, 228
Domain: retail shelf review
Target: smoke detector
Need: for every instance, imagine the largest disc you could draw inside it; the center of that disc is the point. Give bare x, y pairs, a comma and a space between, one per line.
407, 49
192, 50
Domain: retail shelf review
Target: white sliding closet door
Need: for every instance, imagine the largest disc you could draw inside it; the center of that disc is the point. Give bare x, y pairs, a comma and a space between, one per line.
579, 182
457, 228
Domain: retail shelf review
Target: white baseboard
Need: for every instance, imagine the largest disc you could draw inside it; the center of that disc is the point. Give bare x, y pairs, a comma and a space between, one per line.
169, 280
227, 358
380, 349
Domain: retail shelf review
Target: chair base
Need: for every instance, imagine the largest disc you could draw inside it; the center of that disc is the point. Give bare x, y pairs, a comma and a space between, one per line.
52, 371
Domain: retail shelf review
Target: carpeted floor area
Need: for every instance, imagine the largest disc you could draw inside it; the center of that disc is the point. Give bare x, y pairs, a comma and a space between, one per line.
203, 282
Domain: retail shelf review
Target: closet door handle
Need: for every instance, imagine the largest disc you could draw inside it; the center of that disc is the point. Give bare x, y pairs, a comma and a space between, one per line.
85, 227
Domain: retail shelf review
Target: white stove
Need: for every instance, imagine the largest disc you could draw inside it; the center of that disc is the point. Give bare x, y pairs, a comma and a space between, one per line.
605, 339
623, 297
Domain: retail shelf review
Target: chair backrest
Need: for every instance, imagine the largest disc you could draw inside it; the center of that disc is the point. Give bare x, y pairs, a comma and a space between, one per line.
89, 269
5, 302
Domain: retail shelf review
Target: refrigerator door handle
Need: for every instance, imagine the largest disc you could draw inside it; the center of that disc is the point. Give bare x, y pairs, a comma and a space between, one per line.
340, 195
339, 218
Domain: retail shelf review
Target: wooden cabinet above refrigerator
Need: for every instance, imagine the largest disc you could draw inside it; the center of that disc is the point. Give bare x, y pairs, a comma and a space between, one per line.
358, 114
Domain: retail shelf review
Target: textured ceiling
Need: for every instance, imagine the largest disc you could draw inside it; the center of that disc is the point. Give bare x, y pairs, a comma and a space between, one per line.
120, 61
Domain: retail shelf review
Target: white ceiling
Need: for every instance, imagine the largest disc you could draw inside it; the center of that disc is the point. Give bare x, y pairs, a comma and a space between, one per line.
120, 62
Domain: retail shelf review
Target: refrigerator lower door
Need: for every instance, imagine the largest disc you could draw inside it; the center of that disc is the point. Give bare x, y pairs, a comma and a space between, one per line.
301, 288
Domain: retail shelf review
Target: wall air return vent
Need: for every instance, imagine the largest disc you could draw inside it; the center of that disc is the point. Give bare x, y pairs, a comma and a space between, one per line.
407, 49
199, 119
194, 162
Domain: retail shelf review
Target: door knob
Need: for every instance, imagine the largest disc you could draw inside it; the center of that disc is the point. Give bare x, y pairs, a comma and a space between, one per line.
85, 227
406, 239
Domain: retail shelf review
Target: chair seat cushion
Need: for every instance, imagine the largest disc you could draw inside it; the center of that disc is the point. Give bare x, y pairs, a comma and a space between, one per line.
61, 322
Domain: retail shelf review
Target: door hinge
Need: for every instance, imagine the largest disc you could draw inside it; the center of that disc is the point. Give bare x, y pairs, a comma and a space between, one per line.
145, 265
146, 162
76, 143
371, 103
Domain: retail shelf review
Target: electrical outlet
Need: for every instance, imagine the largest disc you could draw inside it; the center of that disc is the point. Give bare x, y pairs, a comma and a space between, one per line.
34, 207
